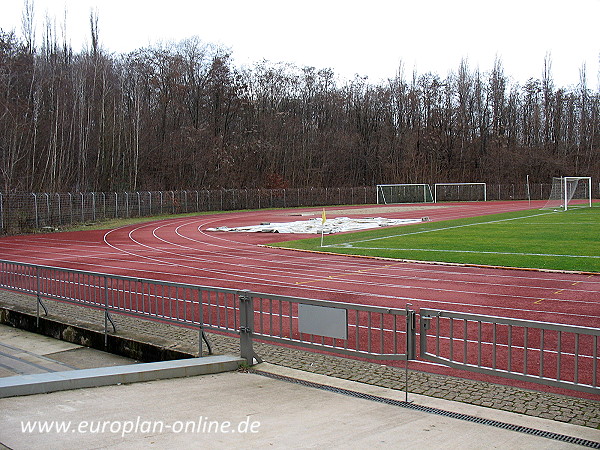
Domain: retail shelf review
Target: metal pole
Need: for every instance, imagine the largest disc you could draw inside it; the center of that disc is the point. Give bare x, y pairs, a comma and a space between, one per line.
246, 326
564, 183
410, 343
59, 210
48, 218
93, 206
37, 312
1, 212
37, 225
71, 206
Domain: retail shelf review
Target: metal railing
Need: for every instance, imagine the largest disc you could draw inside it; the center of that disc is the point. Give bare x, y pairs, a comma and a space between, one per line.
546, 353
551, 354
376, 332
343, 328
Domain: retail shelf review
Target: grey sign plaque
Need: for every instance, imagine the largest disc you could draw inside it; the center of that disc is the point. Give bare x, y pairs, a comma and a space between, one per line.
323, 321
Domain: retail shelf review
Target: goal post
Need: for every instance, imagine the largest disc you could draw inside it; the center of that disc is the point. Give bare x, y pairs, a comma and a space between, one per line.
403, 193
460, 192
570, 192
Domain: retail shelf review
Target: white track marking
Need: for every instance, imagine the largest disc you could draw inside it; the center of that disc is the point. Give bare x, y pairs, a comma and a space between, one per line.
462, 251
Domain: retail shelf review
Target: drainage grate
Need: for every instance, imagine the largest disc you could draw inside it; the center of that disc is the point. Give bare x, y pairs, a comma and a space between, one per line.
439, 412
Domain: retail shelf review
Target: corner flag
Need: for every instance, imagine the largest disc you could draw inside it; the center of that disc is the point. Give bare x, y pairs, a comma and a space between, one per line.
323, 219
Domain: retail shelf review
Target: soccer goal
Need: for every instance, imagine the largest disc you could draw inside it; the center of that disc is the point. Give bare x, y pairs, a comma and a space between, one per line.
403, 193
460, 192
570, 192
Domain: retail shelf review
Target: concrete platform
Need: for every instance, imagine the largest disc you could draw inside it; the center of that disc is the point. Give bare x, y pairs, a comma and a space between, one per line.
235, 409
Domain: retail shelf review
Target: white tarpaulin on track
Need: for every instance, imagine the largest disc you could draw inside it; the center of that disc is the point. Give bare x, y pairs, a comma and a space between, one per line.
315, 226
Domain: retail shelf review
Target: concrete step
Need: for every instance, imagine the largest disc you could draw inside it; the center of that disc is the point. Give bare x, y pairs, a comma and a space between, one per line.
105, 376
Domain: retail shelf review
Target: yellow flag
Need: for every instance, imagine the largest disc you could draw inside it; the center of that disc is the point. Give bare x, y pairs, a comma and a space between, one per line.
324, 218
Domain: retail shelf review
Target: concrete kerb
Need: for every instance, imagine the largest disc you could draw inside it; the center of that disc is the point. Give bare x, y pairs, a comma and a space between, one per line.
43, 383
560, 408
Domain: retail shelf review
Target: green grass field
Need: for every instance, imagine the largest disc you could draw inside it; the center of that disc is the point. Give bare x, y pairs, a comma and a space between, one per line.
566, 240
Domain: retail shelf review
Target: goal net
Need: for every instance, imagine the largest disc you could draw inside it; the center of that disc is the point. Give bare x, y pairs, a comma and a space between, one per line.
570, 192
460, 192
403, 193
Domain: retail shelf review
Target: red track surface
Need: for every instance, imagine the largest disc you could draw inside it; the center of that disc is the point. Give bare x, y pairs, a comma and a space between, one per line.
180, 250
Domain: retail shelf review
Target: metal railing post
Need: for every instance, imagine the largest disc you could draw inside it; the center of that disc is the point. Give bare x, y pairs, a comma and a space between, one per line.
39, 299
107, 317
425, 324
105, 312
201, 334
411, 333
411, 344
246, 326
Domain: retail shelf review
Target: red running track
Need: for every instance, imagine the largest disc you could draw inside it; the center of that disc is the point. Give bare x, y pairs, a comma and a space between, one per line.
181, 250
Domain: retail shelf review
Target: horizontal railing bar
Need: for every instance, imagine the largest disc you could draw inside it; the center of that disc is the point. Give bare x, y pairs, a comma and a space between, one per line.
513, 375
332, 349
510, 321
331, 304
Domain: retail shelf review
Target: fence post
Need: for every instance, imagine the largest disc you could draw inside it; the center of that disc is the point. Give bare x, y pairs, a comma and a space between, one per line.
39, 299
246, 326
48, 218
35, 206
425, 324
60, 218
411, 333
71, 206
107, 317
82, 207
201, 335
93, 206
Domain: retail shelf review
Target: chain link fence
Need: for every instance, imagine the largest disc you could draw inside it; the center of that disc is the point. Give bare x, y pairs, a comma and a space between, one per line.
25, 212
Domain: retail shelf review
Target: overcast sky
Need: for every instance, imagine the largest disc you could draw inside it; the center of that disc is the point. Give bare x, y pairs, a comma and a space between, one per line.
368, 38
